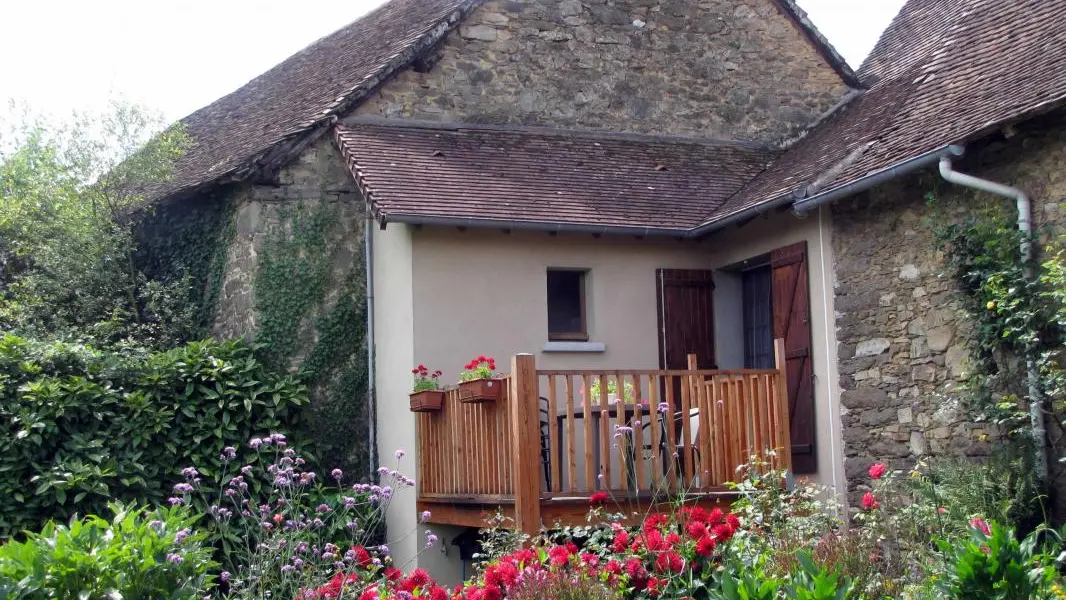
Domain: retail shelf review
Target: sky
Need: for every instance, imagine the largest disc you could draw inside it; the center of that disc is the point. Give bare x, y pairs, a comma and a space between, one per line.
175, 57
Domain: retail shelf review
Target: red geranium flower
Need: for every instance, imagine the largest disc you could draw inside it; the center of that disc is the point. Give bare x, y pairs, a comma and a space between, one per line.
877, 470
598, 498
438, 593
621, 540
869, 501
695, 530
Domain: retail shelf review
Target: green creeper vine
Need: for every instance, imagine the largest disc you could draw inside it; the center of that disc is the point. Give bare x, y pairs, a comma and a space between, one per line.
312, 313
1017, 311
190, 239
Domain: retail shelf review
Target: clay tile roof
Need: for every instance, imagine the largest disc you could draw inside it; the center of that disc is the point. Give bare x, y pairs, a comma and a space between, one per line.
257, 123
413, 171
945, 71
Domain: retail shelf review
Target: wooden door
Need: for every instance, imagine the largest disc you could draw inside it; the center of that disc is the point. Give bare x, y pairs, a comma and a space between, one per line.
792, 322
686, 317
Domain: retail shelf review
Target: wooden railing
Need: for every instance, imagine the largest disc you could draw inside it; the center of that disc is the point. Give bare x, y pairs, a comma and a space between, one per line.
636, 434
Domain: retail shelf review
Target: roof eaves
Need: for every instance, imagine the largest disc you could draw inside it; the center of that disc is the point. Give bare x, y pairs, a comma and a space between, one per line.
282, 149
798, 16
529, 225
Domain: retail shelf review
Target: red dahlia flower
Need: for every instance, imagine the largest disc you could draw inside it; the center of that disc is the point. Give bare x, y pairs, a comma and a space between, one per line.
705, 546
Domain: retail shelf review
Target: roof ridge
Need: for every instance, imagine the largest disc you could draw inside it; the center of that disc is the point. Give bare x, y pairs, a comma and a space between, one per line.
547, 130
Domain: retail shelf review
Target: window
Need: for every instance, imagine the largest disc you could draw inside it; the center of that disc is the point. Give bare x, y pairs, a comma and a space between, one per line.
566, 305
758, 319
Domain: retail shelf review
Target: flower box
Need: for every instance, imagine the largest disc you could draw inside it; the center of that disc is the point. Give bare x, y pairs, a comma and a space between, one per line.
427, 401
480, 390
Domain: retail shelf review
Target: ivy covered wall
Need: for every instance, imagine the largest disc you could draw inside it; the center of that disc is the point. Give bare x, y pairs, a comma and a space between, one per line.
293, 282
905, 328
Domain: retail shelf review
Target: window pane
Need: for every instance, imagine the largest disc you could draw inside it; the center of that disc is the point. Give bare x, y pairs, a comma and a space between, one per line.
565, 302
758, 319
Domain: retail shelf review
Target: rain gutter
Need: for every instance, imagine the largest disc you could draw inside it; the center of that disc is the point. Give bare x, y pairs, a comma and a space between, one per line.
523, 225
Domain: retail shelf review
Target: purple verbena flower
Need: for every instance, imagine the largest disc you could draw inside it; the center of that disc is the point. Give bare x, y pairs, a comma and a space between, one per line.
175, 558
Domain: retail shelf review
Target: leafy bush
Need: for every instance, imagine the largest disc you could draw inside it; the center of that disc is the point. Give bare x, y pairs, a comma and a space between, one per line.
137, 554
994, 564
80, 427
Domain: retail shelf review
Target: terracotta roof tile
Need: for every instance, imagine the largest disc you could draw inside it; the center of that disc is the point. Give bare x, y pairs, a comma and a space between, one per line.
540, 175
946, 71
306, 90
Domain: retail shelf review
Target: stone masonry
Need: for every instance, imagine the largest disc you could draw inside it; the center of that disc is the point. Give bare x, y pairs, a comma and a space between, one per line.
714, 68
318, 175
902, 342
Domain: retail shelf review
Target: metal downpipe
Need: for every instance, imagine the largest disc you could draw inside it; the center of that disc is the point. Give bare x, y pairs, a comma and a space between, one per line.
371, 388
1025, 225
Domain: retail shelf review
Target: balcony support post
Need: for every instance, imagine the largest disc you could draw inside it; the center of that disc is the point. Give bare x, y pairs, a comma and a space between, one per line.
525, 440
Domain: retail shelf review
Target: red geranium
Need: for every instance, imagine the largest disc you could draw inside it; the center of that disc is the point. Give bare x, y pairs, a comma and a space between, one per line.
598, 498
877, 470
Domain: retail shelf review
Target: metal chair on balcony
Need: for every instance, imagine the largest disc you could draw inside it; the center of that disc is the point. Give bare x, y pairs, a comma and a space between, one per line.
545, 444
693, 428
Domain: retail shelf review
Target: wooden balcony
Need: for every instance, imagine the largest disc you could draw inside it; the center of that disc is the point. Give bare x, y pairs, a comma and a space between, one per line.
554, 438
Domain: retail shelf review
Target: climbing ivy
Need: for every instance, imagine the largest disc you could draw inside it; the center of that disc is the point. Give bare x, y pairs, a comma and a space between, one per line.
1018, 311
189, 239
312, 316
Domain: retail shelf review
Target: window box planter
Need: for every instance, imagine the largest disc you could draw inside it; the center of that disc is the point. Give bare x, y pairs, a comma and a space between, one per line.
480, 390
427, 401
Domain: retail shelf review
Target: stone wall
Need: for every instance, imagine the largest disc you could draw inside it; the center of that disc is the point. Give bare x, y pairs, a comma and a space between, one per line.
318, 175
902, 340
328, 339
736, 69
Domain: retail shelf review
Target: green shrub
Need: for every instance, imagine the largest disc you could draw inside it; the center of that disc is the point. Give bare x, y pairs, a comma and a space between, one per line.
136, 555
994, 564
81, 426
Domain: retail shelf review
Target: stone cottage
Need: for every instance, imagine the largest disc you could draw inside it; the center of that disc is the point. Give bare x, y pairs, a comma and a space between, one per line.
478, 153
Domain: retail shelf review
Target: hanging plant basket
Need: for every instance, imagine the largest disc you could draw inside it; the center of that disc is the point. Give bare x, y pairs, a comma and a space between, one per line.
427, 401
480, 390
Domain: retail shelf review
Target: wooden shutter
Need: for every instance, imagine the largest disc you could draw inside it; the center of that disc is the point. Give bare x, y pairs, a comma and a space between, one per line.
686, 317
792, 323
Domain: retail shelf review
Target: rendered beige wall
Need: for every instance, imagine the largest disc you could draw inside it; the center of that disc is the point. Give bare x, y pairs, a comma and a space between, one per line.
761, 236
394, 334
483, 292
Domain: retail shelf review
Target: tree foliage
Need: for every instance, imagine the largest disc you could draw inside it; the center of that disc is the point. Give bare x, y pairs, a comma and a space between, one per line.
70, 200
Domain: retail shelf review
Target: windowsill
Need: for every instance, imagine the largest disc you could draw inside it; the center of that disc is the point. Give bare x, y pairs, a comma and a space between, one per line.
574, 347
